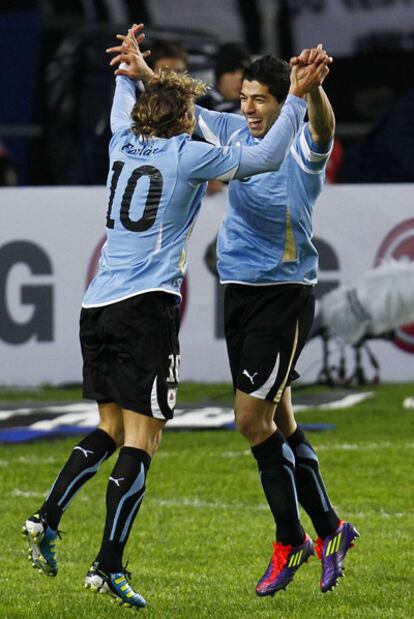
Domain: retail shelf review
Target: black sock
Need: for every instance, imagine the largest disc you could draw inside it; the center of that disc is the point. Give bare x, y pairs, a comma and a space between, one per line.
125, 491
81, 465
311, 489
276, 465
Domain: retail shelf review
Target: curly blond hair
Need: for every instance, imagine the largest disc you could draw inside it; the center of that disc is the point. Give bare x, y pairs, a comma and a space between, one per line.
164, 109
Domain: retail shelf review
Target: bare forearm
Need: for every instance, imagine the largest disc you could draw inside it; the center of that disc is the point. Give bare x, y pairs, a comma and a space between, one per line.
321, 116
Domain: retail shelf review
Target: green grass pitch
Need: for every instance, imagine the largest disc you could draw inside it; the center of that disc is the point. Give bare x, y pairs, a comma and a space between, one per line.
203, 535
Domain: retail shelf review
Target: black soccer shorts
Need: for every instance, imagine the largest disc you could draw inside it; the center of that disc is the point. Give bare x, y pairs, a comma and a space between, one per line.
266, 328
131, 353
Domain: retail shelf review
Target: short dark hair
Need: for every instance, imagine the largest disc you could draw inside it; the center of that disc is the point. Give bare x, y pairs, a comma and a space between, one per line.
273, 73
166, 49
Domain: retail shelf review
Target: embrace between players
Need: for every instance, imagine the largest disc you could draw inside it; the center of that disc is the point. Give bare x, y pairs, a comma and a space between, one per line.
274, 163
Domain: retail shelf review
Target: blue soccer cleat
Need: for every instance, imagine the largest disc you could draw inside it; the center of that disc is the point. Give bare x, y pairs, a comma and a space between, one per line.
42, 540
332, 552
285, 562
114, 584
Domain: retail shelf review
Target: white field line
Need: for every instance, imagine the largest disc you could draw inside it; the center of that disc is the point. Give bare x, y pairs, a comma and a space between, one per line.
31, 460
36, 460
339, 447
201, 504
78, 407
86, 414
381, 513
30, 494
364, 446
346, 402
26, 493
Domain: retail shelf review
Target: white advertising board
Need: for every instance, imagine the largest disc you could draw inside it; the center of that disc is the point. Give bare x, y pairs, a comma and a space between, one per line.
49, 244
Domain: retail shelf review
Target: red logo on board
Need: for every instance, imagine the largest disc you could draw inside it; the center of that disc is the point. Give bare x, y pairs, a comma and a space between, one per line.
399, 245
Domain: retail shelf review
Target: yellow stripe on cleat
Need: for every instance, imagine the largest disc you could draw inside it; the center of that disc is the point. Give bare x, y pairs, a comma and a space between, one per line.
328, 550
339, 541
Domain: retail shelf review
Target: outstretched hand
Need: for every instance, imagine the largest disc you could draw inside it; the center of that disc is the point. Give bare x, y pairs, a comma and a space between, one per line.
129, 56
309, 56
309, 70
305, 79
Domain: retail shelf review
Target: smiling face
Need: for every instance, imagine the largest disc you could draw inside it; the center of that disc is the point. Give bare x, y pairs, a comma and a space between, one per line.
259, 107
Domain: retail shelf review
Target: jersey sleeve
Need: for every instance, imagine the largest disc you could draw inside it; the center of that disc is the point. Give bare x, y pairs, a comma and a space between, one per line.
237, 161
123, 103
270, 152
202, 162
310, 156
217, 127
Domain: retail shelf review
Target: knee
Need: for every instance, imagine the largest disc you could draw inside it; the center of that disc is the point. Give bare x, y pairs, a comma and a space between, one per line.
255, 428
244, 424
155, 443
147, 441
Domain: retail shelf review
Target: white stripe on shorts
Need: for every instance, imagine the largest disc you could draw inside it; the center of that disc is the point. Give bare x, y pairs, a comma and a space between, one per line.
262, 392
278, 395
155, 407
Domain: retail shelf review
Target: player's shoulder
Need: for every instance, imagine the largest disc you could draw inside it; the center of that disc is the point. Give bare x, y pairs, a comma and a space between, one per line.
182, 144
182, 139
240, 134
188, 152
120, 136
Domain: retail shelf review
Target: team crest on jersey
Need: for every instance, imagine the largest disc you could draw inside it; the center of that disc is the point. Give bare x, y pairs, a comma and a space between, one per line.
171, 398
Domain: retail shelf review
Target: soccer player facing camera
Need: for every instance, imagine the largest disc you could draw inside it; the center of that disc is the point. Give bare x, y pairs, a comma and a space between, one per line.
128, 324
268, 262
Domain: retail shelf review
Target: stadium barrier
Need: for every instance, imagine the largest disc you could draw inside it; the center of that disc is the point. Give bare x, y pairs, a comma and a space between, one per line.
51, 238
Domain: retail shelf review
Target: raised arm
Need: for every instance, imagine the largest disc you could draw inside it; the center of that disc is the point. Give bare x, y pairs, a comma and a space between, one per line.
320, 112
129, 57
132, 67
321, 116
123, 104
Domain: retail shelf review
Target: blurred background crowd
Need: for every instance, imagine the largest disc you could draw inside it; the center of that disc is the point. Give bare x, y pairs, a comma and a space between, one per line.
56, 85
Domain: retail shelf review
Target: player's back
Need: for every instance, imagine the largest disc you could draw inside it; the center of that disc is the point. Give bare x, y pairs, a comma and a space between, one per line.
150, 212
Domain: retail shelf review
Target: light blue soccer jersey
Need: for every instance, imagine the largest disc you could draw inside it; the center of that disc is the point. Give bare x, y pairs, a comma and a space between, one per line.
155, 190
266, 234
